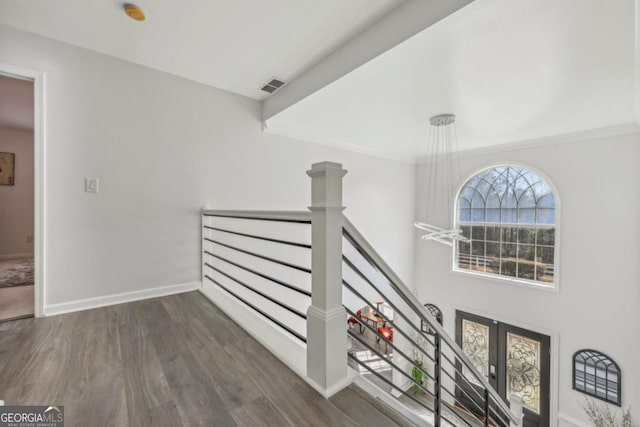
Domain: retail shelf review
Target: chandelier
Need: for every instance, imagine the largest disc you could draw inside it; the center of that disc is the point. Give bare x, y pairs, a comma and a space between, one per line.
441, 173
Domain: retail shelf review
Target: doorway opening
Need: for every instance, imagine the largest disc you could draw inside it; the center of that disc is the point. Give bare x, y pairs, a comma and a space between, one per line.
20, 241
514, 361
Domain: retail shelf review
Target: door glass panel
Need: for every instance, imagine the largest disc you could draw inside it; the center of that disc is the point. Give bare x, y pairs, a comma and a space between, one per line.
523, 370
475, 344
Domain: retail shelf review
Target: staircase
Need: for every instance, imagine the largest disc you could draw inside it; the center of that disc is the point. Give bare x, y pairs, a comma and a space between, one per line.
302, 283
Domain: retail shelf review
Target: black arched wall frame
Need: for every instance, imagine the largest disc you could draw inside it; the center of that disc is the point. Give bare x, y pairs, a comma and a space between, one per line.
597, 375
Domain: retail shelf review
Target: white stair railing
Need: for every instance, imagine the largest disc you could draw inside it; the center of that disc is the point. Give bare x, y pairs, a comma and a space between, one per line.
280, 275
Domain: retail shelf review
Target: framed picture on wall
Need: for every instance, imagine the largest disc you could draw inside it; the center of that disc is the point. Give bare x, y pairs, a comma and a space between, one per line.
7, 168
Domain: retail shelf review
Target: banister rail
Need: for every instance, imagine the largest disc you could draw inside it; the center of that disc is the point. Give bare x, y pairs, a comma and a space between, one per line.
284, 216
360, 243
237, 248
262, 265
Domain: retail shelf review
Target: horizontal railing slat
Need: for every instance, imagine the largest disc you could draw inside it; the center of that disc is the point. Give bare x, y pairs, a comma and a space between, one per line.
249, 304
257, 255
235, 240
258, 292
253, 236
367, 251
303, 217
259, 274
246, 292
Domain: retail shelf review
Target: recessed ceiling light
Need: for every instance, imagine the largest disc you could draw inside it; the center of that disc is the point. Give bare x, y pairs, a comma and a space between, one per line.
134, 12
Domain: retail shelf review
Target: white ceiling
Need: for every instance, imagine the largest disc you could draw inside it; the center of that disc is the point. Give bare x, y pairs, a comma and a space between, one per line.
510, 71
236, 45
16, 103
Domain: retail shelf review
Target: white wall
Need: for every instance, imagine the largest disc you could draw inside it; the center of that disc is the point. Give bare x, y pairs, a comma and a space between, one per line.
598, 299
16, 201
162, 147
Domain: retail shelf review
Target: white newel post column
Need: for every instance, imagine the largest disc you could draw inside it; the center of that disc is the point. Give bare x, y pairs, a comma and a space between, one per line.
516, 405
326, 318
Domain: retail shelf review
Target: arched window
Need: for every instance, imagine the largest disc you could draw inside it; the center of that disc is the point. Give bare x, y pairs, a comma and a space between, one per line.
596, 374
508, 213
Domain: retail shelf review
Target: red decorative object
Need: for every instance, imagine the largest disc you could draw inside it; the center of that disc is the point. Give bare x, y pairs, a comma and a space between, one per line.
387, 334
352, 321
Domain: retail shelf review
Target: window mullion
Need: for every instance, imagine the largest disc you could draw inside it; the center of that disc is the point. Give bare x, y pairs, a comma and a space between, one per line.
523, 248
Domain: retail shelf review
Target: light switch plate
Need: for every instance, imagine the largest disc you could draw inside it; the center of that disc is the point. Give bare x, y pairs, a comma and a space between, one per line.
91, 185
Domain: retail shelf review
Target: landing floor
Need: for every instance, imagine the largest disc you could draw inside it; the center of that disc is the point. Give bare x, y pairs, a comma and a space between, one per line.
168, 361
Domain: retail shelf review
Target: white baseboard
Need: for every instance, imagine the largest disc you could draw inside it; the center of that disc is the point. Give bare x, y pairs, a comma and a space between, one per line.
15, 256
291, 352
89, 303
567, 420
335, 389
390, 400
406, 386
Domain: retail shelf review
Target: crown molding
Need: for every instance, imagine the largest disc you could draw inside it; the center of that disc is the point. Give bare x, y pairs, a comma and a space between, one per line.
299, 134
585, 135
629, 128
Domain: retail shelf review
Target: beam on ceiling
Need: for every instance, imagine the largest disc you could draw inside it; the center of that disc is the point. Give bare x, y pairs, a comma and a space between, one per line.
407, 20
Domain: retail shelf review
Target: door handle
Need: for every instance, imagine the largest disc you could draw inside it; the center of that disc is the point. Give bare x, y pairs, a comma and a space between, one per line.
492, 371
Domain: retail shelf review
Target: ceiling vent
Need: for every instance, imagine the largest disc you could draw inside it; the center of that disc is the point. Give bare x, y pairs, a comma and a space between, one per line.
273, 85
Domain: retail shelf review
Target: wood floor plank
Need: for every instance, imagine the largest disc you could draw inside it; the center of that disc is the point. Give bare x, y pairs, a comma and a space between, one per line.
165, 415
296, 400
101, 401
146, 386
219, 325
233, 381
259, 413
364, 411
132, 341
18, 394
198, 401
170, 361
170, 344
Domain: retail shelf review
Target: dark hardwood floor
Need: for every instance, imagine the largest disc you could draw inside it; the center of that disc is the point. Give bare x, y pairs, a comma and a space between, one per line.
171, 361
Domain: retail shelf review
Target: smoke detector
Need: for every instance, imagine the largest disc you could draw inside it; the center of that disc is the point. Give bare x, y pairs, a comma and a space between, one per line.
273, 85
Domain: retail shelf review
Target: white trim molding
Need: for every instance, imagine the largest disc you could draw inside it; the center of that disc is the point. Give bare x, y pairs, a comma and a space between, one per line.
293, 132
564, 138
290, 131
334, 389
570, 421
39, 153
391, 401
103, 301
636, 64
629, 128
508, 280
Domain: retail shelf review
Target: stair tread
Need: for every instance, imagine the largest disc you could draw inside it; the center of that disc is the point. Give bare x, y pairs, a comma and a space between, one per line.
366, 410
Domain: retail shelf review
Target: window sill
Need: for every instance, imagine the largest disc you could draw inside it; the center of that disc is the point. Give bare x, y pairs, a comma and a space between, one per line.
508, 281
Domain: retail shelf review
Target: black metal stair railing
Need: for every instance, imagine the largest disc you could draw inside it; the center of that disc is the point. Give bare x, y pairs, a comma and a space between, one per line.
437, 378
238, 250
262, 260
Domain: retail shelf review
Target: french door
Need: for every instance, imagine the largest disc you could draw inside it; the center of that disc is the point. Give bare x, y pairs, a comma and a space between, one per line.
512, 359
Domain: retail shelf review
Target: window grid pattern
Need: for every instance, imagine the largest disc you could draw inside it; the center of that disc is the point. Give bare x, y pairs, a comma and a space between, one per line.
508, 215
597, 375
